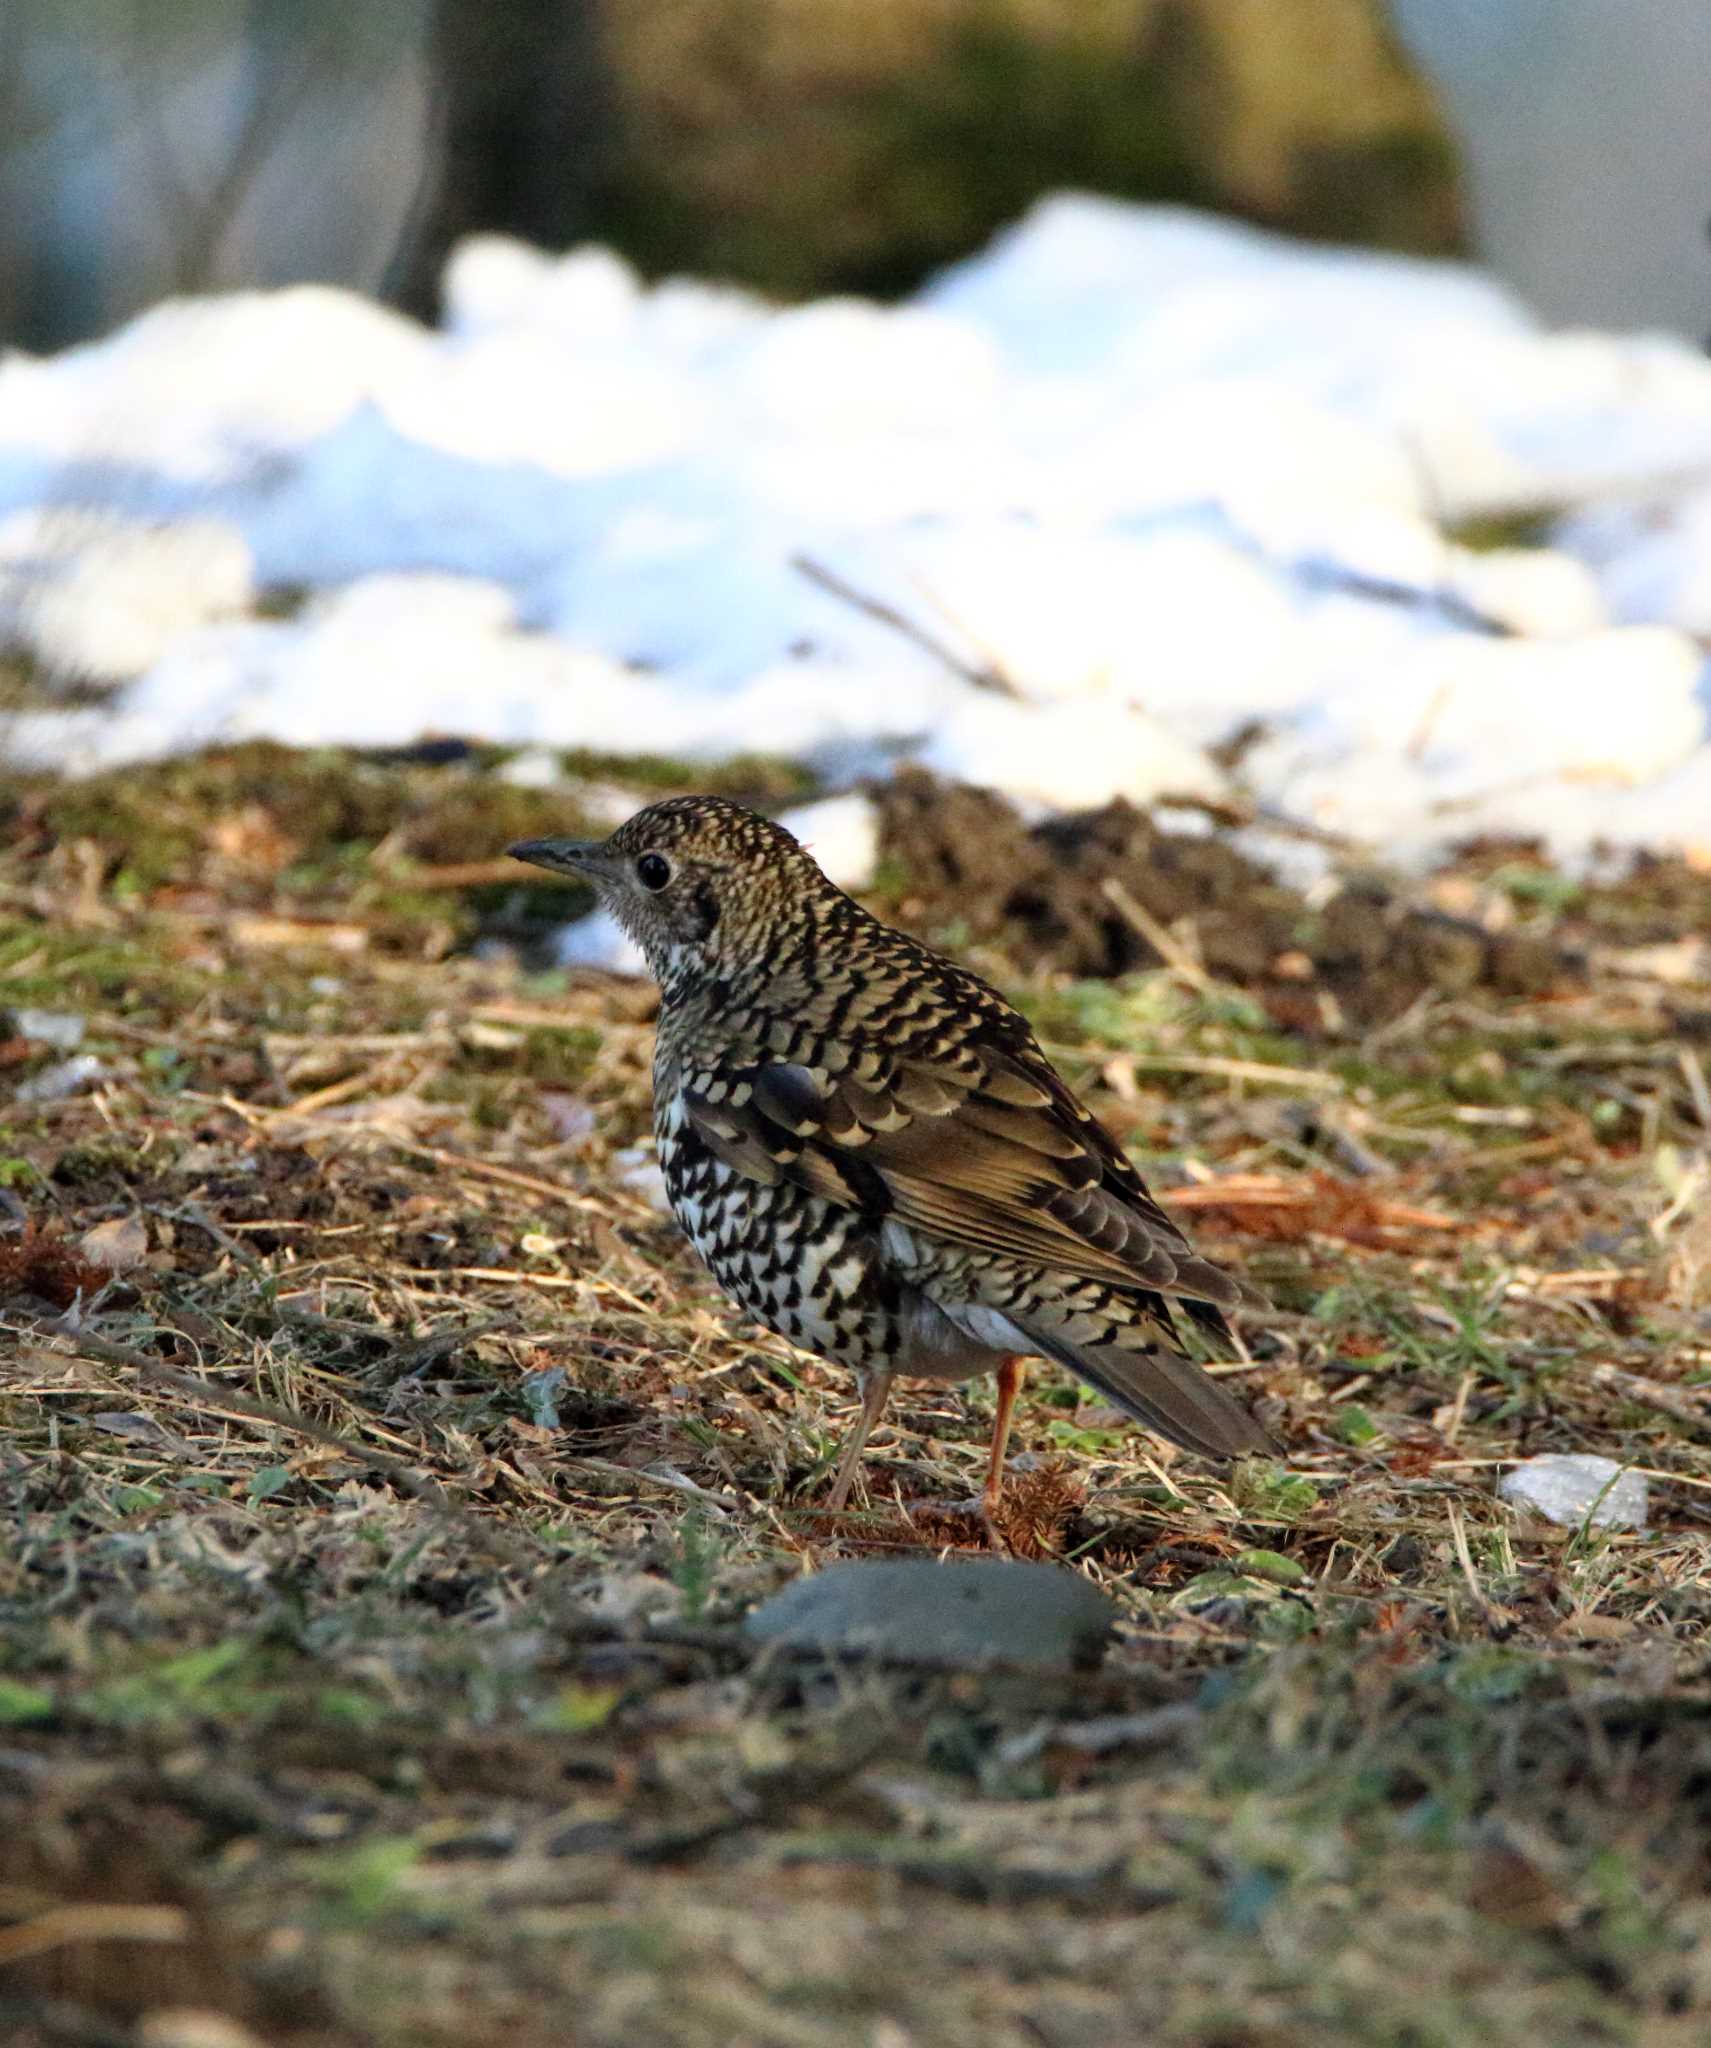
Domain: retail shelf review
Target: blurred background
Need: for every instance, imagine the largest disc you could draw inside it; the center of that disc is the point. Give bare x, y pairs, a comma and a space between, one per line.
1301, 408
150, 147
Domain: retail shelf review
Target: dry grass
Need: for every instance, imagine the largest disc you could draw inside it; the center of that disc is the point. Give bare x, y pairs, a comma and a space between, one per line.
383, 1478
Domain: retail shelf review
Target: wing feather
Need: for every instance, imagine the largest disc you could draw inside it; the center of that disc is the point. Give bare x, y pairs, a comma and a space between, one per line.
988, 1151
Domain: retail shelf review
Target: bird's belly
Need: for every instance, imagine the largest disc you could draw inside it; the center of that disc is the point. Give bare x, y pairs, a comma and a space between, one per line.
814, 1272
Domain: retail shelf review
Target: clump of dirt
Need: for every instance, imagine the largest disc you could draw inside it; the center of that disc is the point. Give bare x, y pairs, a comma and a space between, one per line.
1065, 894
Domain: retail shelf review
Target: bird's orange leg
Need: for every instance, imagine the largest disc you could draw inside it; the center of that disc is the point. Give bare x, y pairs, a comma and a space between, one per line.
874, 1394
1010, 1376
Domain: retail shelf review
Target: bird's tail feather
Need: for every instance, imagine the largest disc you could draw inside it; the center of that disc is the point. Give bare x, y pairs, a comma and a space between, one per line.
1164, 1391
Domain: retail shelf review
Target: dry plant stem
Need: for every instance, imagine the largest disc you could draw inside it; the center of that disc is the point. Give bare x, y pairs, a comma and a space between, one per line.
874, 1395
899, 622
498, 1542
1684, 1403
63, 1926
1164, 943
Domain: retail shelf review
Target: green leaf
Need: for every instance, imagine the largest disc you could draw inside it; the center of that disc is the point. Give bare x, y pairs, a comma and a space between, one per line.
1489, 1675
1213, 1585
271, 1479
1089, 1441
367, 1880
578, 1708
1269, 1493
197, 1669
1352, 1425
1270, 1564
20, 1702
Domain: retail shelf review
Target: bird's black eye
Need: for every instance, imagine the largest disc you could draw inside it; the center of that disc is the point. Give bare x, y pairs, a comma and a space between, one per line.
653, 871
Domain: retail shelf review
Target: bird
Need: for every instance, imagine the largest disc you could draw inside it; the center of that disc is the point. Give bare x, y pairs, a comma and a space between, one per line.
866, 1144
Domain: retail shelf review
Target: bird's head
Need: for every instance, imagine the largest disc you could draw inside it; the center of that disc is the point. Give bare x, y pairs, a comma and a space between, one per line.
700, 884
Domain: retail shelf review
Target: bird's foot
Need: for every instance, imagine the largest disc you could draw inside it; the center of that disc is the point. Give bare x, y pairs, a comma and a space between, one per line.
979, 1510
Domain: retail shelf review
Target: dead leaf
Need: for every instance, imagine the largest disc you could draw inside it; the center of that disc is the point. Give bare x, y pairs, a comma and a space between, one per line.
1596, 1628
142, 1429
118, 1244
251, 838
482, 1037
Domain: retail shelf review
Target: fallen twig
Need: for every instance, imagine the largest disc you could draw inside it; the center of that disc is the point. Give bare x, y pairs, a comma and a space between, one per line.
1163, 941
983, 678
1680, 1402
62, 1925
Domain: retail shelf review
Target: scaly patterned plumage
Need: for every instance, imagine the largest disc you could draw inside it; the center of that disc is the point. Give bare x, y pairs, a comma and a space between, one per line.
868, 1148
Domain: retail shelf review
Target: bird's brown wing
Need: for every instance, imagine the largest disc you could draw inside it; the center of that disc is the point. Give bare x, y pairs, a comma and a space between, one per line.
988, 1150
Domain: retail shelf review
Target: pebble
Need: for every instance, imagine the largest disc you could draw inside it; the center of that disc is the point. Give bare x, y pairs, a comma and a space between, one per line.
54, 1083
1574, 1487
62, 1029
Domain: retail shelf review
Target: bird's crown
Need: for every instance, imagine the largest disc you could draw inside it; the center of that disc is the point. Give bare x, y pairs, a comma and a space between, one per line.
710, 829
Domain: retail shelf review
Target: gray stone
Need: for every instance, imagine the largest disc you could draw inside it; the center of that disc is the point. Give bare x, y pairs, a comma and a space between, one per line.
974, 1612
65, 1077
58, 1028
1574, 1487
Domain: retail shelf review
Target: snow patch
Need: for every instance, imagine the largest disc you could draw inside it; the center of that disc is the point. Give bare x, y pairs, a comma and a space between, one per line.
1126, 483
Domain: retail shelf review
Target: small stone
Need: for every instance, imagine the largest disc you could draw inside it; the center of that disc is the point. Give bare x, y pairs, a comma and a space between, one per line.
1575, 1487
976, 1612
61, 1029
573, 1120
55, 1083
201, 1158
481, 1037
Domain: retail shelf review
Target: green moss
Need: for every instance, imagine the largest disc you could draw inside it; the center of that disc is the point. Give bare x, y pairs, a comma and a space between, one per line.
1000, 116
224, 1681
328, 809
62, 967
319, 832
897, 174
98, 1162
151, 822
763, 780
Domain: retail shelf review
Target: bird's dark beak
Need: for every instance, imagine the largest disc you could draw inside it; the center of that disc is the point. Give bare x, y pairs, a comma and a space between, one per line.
579, 857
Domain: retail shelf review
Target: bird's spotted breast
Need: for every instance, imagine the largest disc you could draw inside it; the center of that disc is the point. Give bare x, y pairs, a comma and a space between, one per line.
806, 1269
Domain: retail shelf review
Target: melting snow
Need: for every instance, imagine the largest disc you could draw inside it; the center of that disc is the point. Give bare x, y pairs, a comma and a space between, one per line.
1133, 477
